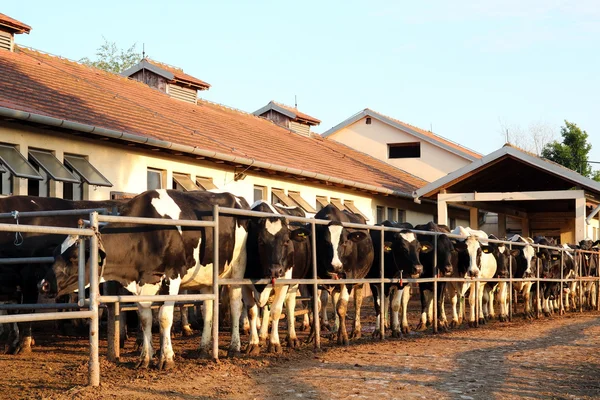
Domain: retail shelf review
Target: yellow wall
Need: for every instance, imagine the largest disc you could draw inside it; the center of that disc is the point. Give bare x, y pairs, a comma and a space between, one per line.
372, 139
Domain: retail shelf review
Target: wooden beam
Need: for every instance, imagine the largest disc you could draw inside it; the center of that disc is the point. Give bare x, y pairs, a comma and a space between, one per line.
512, 196
474, 218
579, 219
515, 212
442, 208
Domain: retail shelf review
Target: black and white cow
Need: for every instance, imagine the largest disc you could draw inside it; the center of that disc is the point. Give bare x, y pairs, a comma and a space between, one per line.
400, 260
480, 264
343, 253
525, 268
444, 268
589, 268
149, 259
504, 258
29, 244
550, 269
276, 249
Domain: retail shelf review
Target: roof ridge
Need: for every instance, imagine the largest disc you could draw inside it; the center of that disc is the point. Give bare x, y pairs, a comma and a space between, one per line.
423, 130
164, 64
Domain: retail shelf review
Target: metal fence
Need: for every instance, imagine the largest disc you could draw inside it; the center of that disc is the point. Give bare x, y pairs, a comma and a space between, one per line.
114, 302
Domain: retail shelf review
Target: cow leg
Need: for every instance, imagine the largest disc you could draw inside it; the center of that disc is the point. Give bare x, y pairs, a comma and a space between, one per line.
480, 312
252, 308
425, 299
207, 316
342, 308
396, 304
453, 294
473, 297
502, 301
358, 299
263, 323
378, 308
165, 320
145, 313
442, 319
245, 320
335, 297
186, 328
290, 307
276, 308
406, 293
323, 299
235, 302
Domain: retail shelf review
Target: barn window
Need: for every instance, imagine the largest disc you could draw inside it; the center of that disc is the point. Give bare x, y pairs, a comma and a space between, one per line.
183, 183
452, 223
278, 196
205, 183
401, 216
16, 164
391, 214
380, 214
260, 193
74, 191
6, 182
352, 208
404, 150
368, 121
321, 202
86, 171
155, 179
301, 202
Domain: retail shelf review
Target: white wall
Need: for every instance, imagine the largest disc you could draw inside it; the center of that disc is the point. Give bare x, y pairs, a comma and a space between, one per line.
126, 167
372, 139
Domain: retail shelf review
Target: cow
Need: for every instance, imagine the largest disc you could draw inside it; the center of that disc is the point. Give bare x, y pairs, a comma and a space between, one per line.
571, 271
17, 245
589, 268
550, 269
343, 253
401, 259
444, 267
525, 267
479, 264
504, 258
275, 250
150, 259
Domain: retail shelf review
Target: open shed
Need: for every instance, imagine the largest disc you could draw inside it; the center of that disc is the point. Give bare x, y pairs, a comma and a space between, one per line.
540, 196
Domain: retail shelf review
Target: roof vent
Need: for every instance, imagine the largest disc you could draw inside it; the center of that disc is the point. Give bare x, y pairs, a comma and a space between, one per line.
8, 28
288, 117
167, 79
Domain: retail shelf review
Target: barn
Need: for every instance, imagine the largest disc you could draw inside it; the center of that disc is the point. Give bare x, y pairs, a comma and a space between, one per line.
72, 131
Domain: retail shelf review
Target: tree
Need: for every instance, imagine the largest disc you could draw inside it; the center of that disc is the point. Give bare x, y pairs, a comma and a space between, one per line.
112, 59
573, 152
533, 140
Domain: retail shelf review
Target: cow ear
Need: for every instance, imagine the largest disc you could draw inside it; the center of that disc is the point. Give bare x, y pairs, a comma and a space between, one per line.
300, 234
357, 236
555, 257
458, 245
486, 249
426, 247
515, 252
387, 247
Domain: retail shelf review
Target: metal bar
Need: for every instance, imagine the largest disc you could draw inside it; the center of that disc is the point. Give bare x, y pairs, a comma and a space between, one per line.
81, 276
49, 306
435, 285
315, 286
166, 297
31, 214
510, 284
477, 310
382, 304
54, 230
215, 294
94, 365
579, 258
562, 276
598, 282
156, 221
27, 260
49, 316
537, 290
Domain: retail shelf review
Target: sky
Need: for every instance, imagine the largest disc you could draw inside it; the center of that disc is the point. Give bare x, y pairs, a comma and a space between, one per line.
467, 70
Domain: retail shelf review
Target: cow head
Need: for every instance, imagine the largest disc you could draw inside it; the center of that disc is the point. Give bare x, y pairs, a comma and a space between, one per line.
444, 255
473, 250
275, 241
336, 246
62, 278
503, 259
404, 250
548, 258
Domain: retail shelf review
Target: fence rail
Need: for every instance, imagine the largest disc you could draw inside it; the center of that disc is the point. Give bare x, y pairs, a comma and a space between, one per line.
115, 303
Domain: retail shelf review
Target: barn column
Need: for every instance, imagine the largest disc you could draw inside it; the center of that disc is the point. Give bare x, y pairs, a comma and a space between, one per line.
579, 219
442, 207
501, 225
525, 227
474, 218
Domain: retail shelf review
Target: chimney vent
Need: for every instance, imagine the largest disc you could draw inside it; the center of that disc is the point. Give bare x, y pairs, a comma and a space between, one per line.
8, 28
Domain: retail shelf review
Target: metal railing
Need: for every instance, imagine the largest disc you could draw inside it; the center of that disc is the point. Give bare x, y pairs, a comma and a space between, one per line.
113, 301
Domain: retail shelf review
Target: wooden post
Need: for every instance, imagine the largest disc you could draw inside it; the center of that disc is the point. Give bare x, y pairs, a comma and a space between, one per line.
474, 218
579, 219
442, 212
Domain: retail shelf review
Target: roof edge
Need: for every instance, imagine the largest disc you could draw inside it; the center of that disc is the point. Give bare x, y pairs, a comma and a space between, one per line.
134, 138
382, 118
150, 67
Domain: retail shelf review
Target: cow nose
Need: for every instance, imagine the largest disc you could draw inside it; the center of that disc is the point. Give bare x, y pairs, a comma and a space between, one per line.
418, 269
44, 286
337, 265
473, 274
277, 271
448, 270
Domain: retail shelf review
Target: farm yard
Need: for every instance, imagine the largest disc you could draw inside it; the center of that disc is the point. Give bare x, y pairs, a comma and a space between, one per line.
553, 357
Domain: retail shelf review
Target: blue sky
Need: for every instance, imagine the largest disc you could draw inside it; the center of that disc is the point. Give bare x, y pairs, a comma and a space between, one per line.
464, 68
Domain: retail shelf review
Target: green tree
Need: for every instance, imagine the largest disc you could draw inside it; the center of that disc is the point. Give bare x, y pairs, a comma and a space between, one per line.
112, 59
573, 151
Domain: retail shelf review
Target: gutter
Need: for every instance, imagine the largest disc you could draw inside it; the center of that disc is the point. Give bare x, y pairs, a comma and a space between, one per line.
163, 144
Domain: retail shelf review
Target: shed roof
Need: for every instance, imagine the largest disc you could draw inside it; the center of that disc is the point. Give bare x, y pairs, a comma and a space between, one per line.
168, 72
290, 112
78, 97
422, 134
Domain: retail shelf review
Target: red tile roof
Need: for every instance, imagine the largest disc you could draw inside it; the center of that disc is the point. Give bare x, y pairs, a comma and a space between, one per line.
52, 86
15, 24
180, 75
299, 115
433, 136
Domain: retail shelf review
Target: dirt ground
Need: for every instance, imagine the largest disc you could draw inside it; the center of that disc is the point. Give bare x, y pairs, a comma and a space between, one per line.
554, 357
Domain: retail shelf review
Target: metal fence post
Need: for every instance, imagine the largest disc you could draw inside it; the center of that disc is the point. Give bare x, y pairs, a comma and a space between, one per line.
537, 290
435, 285
316, 321
94, 365
215, 324
510, 284
581, 288
562, 277
598, 282
382, 309
81, 276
